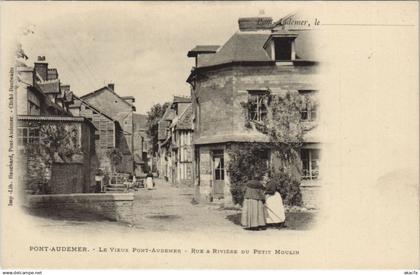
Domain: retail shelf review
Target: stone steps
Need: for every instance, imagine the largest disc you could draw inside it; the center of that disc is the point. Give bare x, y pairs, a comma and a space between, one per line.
116, 188
116, 191
119, 185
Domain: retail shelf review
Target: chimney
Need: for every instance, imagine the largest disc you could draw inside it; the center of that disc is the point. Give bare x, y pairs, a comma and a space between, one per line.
41, 67
255, 23
111, 86
52, 74
65, 88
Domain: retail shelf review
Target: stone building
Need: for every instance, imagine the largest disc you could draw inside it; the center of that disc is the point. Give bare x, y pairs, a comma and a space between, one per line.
108, 130
55, 149
121, 110
39, 91
262, 57
142, 157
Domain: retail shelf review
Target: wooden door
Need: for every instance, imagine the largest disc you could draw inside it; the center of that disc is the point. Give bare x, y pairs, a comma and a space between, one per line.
218, 174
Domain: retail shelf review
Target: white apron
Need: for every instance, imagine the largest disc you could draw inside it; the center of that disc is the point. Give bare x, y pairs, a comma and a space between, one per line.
149, 183
274, 209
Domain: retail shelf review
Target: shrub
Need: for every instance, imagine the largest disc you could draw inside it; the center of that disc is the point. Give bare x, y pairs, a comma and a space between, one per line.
288, 188
285, 130
247, 161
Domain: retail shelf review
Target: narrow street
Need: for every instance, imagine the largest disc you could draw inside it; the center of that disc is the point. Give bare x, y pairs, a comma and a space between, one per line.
166, 209
169, 208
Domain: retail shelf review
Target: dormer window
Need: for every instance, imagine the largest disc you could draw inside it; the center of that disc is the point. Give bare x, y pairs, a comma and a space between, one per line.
281, 46
283, 49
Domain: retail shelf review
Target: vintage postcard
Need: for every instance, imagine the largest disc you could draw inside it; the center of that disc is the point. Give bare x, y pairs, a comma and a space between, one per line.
217, 135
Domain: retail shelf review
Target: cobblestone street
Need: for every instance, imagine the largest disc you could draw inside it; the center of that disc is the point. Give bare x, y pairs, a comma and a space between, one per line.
167, 209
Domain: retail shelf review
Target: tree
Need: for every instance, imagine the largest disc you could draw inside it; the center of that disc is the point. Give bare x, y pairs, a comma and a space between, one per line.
153, 117
48, 143
285, 130
247, 162
116, 157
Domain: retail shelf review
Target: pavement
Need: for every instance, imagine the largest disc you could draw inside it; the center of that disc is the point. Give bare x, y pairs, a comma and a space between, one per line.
170, 208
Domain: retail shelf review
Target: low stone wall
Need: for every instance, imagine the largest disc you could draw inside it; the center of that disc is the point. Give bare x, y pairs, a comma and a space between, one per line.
67, 178
115, 207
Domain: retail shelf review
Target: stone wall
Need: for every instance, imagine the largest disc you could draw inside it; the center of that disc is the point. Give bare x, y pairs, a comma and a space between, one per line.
67, 178
206, 172
115, 207
221, 92
118, 109
215, 98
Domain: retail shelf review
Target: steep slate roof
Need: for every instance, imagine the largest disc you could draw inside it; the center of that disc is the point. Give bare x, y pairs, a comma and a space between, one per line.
162, 126
242, 46
248, 46
185, 119
169, 114
50, 86
181, 99
199, 49
305, 45
164, 122
109, 89
233, 137
78, 101
56, 118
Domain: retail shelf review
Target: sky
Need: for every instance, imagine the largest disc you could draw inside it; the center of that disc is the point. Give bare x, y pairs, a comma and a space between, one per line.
141, 47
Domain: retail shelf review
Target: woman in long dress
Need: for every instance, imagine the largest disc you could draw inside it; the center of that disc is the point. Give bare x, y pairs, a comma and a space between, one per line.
149, 181
275, 215
253, 215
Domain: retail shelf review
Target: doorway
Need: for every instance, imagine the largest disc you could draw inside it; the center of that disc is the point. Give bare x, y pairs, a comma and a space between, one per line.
218, 174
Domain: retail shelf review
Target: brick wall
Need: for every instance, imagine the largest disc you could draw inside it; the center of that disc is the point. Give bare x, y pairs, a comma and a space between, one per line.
116, 207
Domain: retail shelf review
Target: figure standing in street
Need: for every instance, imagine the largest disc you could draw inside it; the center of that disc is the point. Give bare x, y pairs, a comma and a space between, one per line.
275, 215
98, 181
149, 181
253, 214
134, 182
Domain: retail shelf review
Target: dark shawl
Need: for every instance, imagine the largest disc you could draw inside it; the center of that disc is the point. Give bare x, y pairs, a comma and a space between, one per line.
254, 190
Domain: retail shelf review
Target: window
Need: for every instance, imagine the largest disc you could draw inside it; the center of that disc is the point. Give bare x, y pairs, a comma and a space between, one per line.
110, 138
257, 105
265, 156
219, 165
304, 113
27, 135
185, 154
309, 109
33, 109
283, 49
313, 112
310, 163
